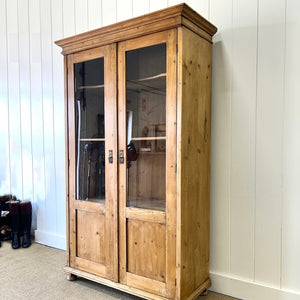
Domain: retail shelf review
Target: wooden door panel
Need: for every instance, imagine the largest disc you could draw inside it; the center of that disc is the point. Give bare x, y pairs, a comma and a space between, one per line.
91, 236
147, 284
146, 249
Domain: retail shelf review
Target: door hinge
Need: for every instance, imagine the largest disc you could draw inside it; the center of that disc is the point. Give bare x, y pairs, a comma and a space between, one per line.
176, 48
176, 168
175, 282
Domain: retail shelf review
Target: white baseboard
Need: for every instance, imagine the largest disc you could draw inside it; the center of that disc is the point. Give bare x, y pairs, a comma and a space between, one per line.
50, 239
247, 290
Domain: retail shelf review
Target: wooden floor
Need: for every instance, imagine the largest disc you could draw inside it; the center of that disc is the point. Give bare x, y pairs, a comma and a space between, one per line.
37, 273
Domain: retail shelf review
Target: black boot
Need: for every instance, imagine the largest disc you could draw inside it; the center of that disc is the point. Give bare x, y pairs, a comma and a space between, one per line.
14, 211
26, 216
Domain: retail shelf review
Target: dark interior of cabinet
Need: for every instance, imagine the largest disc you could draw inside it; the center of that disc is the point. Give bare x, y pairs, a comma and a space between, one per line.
146, 127
90, 130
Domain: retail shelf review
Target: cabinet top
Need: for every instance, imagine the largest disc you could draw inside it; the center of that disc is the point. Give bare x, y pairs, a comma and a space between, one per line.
172, 17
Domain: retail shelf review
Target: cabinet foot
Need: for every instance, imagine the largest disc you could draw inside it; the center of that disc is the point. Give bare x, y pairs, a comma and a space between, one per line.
71, 277
204, 293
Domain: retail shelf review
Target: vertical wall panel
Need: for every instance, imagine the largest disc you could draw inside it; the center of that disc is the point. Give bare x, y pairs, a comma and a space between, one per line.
140, 7
269, 141
47, 90
221, 137
4, 129
291, 152
94, 14
81, 16
174, 2
25, 99
14, 100
243, 110
58, 118
158, 4
68, 17
38, 162
124, 10
202, 6
109, 12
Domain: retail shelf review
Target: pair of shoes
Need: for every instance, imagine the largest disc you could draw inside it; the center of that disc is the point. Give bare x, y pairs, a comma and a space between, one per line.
21, 216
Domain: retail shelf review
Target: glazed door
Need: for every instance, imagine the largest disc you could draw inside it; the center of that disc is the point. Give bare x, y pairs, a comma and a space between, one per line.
93, 164
147, 156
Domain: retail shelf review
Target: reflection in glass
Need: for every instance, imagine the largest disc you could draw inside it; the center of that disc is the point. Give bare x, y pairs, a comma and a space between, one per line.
147, 176
90, 131
90, 108
146, 127
89, 87
146, 89
91, 172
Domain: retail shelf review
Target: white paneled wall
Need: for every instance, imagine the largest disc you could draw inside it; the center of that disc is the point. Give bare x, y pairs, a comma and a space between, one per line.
255, 231
269, 141
255, 190
290, 259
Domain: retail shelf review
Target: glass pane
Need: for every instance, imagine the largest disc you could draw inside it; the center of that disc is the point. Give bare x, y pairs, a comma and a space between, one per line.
90, 131
146, 91
89, 84
147, 176
146, 127
91, 172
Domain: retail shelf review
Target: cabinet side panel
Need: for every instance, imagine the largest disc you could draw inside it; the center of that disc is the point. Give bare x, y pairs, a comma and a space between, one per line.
195, 160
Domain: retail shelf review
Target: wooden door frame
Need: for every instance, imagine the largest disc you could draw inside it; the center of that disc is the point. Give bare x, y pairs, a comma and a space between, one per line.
111, 201
168, 288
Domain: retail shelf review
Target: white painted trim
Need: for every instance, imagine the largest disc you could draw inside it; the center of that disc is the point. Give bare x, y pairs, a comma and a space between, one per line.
243, 289
50, 239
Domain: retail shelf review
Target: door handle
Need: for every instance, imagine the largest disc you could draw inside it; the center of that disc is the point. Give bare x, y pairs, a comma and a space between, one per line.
110, 156
121, 158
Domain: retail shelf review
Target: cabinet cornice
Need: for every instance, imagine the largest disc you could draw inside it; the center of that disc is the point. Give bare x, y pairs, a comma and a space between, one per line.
172, 17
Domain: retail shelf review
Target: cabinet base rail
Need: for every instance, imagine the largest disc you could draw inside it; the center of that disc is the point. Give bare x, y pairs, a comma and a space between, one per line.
71, 274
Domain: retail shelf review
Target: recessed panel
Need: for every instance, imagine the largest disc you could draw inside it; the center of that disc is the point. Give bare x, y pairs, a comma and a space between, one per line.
146, 249
91, 236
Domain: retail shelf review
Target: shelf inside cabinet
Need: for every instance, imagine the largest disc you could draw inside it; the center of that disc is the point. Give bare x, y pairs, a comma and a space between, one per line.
153, 84
95, 200
151, 152
151, 204
148, 138
92, 140
83, 87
